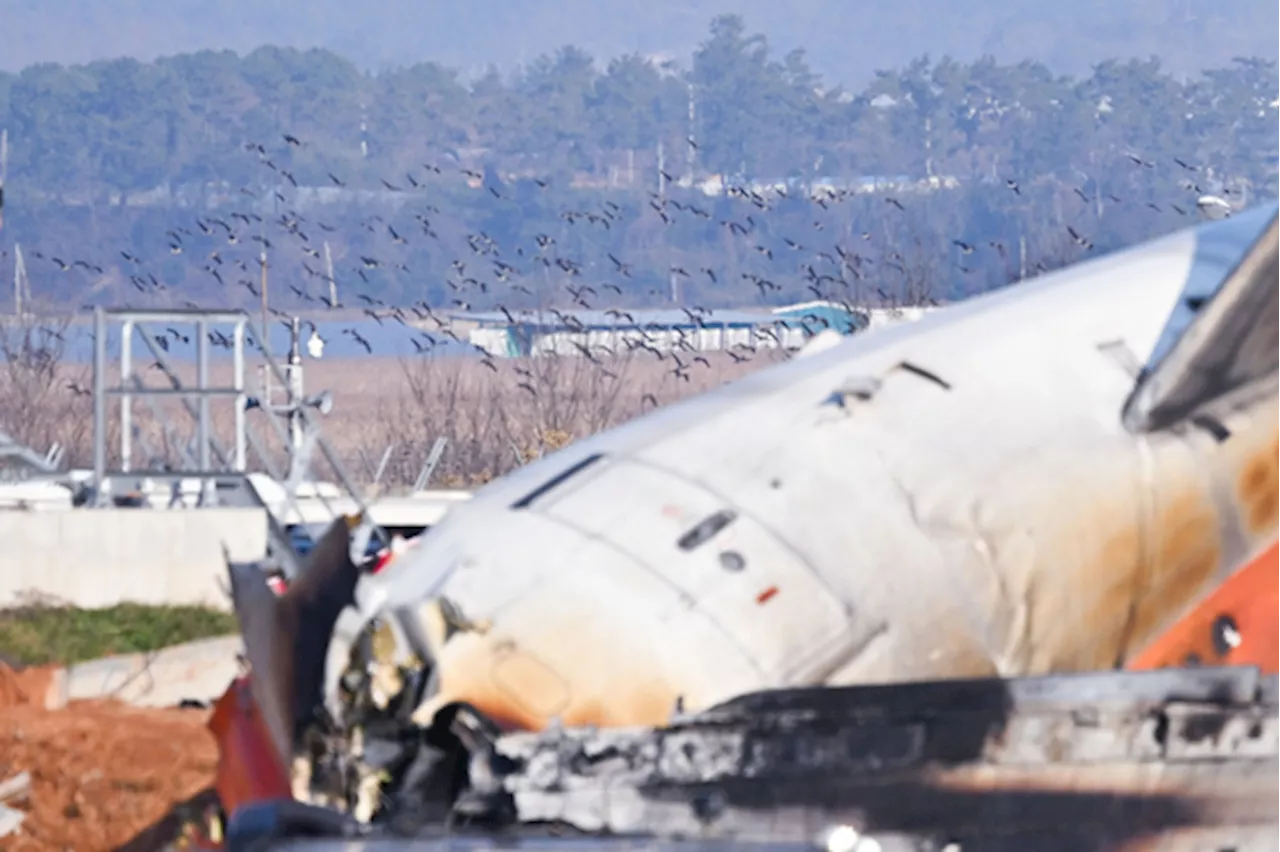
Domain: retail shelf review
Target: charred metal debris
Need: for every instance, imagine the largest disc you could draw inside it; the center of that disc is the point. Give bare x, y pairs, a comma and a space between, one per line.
1085, 761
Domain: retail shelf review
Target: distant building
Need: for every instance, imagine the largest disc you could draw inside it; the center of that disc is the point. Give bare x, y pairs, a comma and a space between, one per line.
817, 316
827, 186
524, 333
881, 317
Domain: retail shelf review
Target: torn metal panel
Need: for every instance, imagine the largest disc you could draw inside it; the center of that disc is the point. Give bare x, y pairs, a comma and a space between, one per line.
250, 765
10, 820
269, 652
1224, 335
287, 637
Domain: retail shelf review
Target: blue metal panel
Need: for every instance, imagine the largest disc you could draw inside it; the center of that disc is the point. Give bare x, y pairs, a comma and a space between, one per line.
819, 316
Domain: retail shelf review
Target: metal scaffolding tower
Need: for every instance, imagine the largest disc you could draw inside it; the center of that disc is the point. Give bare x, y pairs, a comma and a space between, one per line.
220, 472
199, 465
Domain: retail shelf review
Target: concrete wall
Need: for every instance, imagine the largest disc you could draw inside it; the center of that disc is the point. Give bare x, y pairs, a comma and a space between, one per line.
100, 557
199, 670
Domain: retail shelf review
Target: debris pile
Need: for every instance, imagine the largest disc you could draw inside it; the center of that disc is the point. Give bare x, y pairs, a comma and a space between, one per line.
15, 789
99, 773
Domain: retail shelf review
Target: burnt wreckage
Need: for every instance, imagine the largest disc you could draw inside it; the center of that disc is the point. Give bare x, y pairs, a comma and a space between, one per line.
1081, 761
532, 665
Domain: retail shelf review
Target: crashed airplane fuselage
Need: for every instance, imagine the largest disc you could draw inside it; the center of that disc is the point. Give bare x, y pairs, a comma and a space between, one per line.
1034, 481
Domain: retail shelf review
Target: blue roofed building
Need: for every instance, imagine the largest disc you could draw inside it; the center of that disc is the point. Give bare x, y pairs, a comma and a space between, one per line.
813, 317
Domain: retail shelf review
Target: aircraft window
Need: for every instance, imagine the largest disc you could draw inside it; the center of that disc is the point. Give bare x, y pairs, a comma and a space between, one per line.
705, 529
555, 481
732, 561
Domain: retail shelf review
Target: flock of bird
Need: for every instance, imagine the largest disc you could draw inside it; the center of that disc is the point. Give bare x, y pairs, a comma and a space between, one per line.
851, 269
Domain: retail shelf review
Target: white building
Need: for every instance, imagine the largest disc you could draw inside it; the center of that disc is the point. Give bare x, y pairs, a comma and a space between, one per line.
551, 332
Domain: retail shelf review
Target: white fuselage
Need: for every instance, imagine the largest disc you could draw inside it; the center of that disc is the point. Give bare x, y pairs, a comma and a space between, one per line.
951, 497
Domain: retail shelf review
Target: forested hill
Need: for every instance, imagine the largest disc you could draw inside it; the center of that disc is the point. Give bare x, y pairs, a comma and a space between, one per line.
937, 172
848, 39
127, 126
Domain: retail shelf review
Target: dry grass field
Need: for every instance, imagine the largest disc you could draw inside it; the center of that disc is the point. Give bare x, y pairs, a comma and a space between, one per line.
493, 419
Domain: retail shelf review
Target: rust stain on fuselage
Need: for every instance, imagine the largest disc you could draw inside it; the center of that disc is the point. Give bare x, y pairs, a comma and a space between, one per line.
1185, 560
1257, 488
1248, 601
1105, 581
1095, 605
1188, 555
521, 687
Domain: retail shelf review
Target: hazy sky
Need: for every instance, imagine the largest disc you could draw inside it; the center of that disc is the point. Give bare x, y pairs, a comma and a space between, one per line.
847, 39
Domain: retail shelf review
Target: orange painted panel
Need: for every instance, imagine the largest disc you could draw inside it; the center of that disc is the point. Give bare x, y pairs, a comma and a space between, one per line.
248, 768
1237, 625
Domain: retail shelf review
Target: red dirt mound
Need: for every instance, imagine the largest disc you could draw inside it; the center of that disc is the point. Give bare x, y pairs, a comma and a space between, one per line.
31, 686
101, 772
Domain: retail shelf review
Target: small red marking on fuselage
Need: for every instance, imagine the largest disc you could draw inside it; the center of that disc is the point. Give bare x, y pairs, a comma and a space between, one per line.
767, 595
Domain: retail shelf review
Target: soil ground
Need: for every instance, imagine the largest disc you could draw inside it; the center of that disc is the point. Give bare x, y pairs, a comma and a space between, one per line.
102, 773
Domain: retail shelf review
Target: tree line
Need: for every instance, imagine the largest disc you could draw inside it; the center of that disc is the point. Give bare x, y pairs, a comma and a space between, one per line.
637, 164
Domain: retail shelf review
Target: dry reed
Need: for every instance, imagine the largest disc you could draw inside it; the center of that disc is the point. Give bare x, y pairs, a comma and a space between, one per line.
494, 415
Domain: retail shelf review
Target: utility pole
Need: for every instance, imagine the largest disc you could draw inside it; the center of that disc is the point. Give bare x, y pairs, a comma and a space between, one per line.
662, 165
262, 261
693, 146
328, 271
266, 328
21, 284
4, 170
19, 270
928, 146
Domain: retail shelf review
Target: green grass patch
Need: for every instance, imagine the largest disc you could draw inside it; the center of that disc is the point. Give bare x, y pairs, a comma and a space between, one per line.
40, 633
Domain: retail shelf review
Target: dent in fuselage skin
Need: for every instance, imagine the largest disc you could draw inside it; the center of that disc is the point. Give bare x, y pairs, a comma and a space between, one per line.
1153, 534
594, 639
